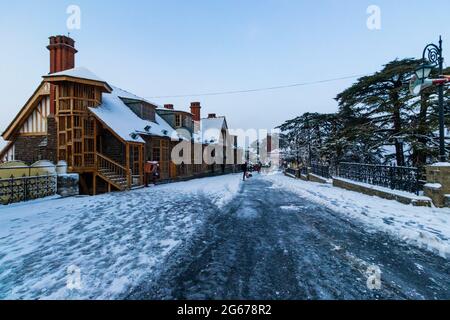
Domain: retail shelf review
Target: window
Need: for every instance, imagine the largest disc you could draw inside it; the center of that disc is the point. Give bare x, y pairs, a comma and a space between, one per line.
148, 113
178, 120
156, 154
156, 150
142, 110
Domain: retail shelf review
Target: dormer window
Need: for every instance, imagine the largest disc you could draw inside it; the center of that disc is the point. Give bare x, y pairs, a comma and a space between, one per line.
148, 112
178, 120
142, 109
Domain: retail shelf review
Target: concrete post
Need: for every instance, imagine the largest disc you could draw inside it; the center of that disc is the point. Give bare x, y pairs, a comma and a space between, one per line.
438, 184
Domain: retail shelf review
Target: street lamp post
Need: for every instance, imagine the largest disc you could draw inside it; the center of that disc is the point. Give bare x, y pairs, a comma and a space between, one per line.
433, 54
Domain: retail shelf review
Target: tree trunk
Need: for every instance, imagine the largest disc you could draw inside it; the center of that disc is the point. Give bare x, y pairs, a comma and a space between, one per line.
399, 155
420, 153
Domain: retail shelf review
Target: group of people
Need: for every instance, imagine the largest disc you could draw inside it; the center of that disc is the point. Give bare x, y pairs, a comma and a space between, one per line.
247, 169
151, 171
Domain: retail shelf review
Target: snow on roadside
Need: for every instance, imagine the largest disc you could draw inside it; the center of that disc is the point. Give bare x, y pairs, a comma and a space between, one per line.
114, 240
425, 227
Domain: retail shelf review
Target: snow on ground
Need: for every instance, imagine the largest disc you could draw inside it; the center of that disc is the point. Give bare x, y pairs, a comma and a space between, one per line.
426, 227
113, 240
400, 193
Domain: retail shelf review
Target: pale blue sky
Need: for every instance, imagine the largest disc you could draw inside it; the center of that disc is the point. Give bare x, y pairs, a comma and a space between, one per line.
155, 48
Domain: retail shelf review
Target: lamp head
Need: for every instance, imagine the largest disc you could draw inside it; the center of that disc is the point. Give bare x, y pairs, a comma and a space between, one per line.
424, 71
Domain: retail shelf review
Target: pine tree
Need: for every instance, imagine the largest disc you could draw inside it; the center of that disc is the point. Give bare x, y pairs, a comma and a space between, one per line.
375, 114
376, 106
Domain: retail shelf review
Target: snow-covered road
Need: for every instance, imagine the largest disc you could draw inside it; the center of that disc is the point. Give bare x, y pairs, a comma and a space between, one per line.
270, 238
113, 240
269, 243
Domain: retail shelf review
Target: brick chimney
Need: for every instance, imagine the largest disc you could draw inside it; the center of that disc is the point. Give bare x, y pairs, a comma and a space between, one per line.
168, 106
195, 110
62, 57
62, 53
212, 116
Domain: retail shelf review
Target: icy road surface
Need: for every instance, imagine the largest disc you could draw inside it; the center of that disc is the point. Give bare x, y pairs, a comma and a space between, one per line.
270, 243
272, 237
109, 242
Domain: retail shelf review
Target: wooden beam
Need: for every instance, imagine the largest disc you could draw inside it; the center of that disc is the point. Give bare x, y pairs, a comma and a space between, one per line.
95, 143
127, 157
32, 134
102, 84
26, 111
94, 184
141, 165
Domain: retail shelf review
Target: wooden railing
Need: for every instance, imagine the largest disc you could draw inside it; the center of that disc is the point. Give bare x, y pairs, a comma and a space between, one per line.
105, 163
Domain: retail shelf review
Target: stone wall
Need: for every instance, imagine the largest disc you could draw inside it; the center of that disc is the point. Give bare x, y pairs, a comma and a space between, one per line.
50, 149
372, 191
30, 149
316, 178
68, 185
438, 184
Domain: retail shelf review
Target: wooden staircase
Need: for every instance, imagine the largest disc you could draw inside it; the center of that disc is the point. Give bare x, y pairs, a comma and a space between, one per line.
113, 173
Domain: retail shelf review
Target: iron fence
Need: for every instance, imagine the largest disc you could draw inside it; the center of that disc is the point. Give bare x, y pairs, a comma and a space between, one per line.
291, 171
27, 188
321, 170
23, 183
304, 171
393, 177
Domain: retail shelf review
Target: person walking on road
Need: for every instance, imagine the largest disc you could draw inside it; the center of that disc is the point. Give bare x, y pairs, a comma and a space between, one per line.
148, 166
244, 169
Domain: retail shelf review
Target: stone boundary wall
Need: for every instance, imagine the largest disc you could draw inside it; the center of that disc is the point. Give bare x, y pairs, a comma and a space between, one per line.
344, 184
368, 190
68, 185
438, 184
316, 178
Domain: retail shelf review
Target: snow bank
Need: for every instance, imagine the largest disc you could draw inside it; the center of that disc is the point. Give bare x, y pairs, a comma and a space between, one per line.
441, 164
400, 193
425, 227
114, 240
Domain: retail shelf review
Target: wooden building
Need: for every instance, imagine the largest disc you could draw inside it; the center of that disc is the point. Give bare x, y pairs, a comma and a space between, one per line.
104, 133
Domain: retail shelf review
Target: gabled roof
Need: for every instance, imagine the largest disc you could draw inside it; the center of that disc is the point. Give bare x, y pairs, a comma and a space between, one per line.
118, 117
42, 90
79, 73
211, 129
165, 110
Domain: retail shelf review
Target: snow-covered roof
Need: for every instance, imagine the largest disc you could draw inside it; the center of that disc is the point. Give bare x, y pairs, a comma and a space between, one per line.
79, 72
128, 95
114, 113
160, 108
211, 129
